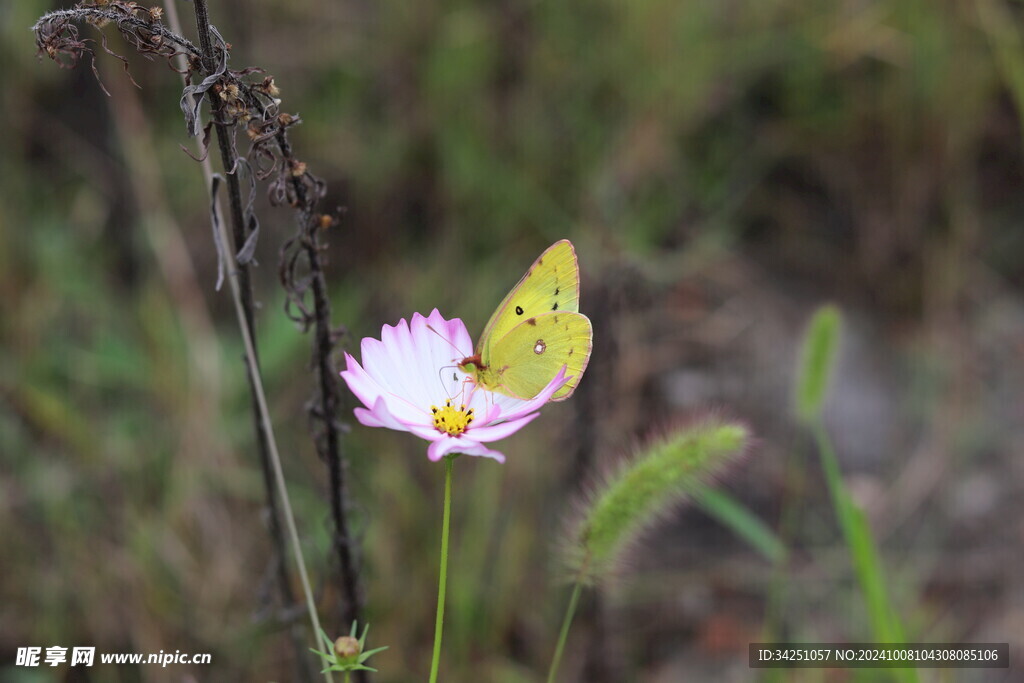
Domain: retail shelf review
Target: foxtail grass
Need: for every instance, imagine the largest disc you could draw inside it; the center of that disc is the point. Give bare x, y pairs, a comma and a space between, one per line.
676, 466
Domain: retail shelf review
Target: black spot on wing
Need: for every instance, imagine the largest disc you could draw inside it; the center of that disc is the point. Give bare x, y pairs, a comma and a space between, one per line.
532, 321
519, 310
555, 307
557, 290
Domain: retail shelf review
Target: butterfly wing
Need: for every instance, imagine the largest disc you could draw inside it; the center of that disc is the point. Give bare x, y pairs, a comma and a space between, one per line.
529, 356
552, 283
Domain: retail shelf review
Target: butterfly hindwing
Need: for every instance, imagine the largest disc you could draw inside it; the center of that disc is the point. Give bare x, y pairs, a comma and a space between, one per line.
528, 357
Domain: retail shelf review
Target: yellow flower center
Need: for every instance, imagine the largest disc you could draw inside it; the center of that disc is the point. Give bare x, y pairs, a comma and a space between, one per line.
450, 420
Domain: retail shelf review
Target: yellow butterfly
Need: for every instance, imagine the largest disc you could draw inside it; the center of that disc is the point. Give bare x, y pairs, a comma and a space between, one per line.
535, 331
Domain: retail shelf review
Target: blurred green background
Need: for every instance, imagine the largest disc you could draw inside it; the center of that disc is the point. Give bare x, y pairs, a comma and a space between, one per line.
723, 168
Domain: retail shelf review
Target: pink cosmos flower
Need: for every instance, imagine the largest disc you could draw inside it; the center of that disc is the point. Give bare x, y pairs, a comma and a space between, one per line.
409, 381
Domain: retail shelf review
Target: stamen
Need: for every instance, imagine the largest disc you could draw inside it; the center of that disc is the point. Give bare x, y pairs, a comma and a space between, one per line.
450, 420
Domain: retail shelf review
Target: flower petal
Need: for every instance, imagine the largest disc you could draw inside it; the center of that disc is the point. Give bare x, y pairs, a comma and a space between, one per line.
361, 384
481, 451
379, 416
452, 444
377, 362
445, 343
502, 429
537, 401
408, 363
368, 389
425, 433
409, 358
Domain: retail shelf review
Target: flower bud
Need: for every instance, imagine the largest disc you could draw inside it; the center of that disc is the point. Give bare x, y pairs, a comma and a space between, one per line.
347, 649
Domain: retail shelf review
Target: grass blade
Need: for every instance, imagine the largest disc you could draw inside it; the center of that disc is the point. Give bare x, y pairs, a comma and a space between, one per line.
741, 521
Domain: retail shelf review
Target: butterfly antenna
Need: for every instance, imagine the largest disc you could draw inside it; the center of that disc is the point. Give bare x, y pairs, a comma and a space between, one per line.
440, 376
455, 378
448, 341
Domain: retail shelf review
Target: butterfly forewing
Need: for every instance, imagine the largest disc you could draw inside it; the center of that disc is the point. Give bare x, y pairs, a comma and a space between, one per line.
552, 283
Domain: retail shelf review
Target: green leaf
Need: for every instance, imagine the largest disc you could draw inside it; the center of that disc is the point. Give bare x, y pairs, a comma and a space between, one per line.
327, 640
369, 653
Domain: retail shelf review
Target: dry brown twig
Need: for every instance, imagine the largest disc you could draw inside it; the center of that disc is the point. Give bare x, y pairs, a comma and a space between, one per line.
240, 100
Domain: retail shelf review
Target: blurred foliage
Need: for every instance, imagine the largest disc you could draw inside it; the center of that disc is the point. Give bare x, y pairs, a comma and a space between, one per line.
722, 167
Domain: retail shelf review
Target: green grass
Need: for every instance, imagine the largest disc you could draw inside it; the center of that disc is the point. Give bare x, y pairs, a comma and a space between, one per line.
733, 515
820, 347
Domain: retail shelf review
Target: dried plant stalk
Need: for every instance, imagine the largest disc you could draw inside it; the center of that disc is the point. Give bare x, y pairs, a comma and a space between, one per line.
240, 100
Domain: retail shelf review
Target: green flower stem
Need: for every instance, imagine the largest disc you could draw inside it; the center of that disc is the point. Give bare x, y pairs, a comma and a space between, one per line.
570, 612
442, 581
